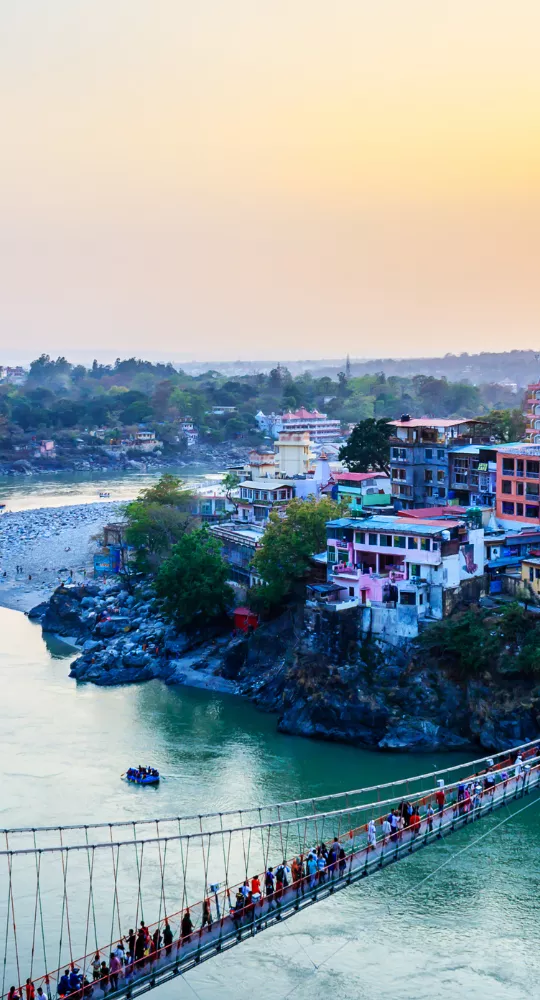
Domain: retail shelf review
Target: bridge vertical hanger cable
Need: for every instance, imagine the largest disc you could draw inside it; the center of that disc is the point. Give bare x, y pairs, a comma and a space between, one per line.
34, 925
90, 902
7, 924
41, 918
64, 869
140, 904
91, 891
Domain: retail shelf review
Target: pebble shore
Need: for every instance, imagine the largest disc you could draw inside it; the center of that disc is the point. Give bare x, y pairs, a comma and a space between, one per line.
48, 543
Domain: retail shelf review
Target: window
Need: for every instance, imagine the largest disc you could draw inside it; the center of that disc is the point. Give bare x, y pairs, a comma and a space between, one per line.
434, 546
372, 539
414, 570
428, 476
343, 555
395, 452
508, 466
442, 492
530, 511
507, 486
429, 453
507, 507
519, 467
360, 537
533, 468
385, 540
331, 555
351, 591
519, 489
537, 573
420, 598
412, 543
440, 475
400, 454
424, 544
519, 509
407, 597
399, 541
531, 574
440, 455
429, 491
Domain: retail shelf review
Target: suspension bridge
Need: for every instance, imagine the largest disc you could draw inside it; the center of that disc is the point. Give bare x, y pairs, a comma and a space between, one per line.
163, 895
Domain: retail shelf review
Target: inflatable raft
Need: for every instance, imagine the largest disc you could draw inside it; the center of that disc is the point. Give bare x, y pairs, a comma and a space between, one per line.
142, 776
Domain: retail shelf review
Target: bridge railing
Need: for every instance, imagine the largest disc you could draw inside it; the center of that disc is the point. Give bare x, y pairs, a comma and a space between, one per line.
225, 916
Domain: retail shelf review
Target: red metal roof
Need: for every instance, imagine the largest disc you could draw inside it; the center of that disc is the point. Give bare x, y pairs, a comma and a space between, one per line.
421, 513
357, 477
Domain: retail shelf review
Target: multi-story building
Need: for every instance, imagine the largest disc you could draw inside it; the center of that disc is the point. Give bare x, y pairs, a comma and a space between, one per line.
393, 561
258, 497
472, 474
362, 489
262, 463
188, 430
419, 457
293, 453
518, 484
318, 425
239, 542
532, 413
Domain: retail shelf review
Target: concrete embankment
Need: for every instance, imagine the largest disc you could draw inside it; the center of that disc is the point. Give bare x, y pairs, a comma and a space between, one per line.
40, 548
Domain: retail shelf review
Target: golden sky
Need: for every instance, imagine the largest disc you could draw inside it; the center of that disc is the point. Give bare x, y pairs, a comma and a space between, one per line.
246, 178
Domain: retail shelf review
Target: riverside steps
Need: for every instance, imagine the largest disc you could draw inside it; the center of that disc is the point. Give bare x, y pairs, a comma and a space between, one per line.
71, 895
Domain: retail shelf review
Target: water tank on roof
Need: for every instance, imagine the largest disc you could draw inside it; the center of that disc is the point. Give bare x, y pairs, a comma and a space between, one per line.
405, 417
445, 535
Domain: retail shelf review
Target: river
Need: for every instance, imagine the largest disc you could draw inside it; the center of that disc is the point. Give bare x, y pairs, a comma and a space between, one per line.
417, 930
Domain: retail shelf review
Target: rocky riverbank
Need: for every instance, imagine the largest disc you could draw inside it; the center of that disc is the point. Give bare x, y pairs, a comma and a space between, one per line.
322, 684
213, 457
40, 548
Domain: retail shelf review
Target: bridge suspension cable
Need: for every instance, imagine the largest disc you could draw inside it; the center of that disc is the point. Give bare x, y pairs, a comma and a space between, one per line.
206, 888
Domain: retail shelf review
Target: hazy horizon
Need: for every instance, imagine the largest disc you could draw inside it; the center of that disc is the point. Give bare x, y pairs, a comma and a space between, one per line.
269, 180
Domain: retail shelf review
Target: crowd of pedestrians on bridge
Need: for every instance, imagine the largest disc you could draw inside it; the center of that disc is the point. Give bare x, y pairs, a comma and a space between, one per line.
139, 950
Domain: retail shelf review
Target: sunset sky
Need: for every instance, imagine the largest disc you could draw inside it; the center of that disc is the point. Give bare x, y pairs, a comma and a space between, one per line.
251, 179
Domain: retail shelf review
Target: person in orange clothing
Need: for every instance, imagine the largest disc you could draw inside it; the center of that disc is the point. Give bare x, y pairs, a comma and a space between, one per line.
415, 823
440, 799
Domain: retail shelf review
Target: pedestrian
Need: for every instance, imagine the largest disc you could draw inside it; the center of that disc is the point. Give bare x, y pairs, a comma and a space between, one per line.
167, 938
279, 893
269, 879
342, 860
371, 836
130, 938
312, 869
104, 977
115, 967
29, 989
63, 985
440, 799
207, 913
13, 995
321, 866
156, 938
386, 830
96, 965
140, 948
415, 823
429, 817
186, 927
255, 889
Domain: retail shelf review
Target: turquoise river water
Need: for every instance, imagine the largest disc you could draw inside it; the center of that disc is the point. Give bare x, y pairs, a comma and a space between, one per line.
467, 929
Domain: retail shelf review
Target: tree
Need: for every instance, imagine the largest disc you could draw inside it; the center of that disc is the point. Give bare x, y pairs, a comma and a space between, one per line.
230, 482
368, 446
287, 547
192, 581
506, 425
160, 516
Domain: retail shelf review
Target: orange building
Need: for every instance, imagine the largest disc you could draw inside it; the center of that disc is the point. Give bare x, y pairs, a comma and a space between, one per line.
518, 483
532, 413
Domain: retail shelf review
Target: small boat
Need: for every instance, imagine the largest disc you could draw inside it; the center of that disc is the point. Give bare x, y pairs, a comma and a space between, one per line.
104, 494
142, 775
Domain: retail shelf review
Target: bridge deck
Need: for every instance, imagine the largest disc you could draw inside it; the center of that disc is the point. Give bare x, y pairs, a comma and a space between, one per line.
226, 932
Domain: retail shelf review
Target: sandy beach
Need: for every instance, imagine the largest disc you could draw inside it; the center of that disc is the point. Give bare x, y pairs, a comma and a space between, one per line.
40, 548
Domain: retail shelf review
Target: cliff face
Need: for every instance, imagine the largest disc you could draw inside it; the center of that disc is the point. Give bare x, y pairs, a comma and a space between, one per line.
326, 682
311, 666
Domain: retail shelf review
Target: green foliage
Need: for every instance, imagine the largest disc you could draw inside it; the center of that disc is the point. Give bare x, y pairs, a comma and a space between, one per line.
159, 518
507, 425
192, 581
476, 641
368, 446
288, 544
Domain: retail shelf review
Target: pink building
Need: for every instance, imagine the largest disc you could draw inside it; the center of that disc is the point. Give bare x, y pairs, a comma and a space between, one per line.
396, 560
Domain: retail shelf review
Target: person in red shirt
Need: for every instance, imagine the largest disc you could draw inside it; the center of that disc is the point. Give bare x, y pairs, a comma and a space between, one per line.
415, 823
30, 990
440, 799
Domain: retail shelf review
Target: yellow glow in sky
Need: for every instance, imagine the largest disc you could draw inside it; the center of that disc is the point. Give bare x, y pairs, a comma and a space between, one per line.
269, 179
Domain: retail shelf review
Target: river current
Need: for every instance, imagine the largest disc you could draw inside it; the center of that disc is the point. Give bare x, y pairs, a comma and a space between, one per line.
459, 919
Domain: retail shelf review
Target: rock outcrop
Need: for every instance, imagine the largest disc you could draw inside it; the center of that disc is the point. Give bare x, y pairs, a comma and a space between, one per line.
326, 682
